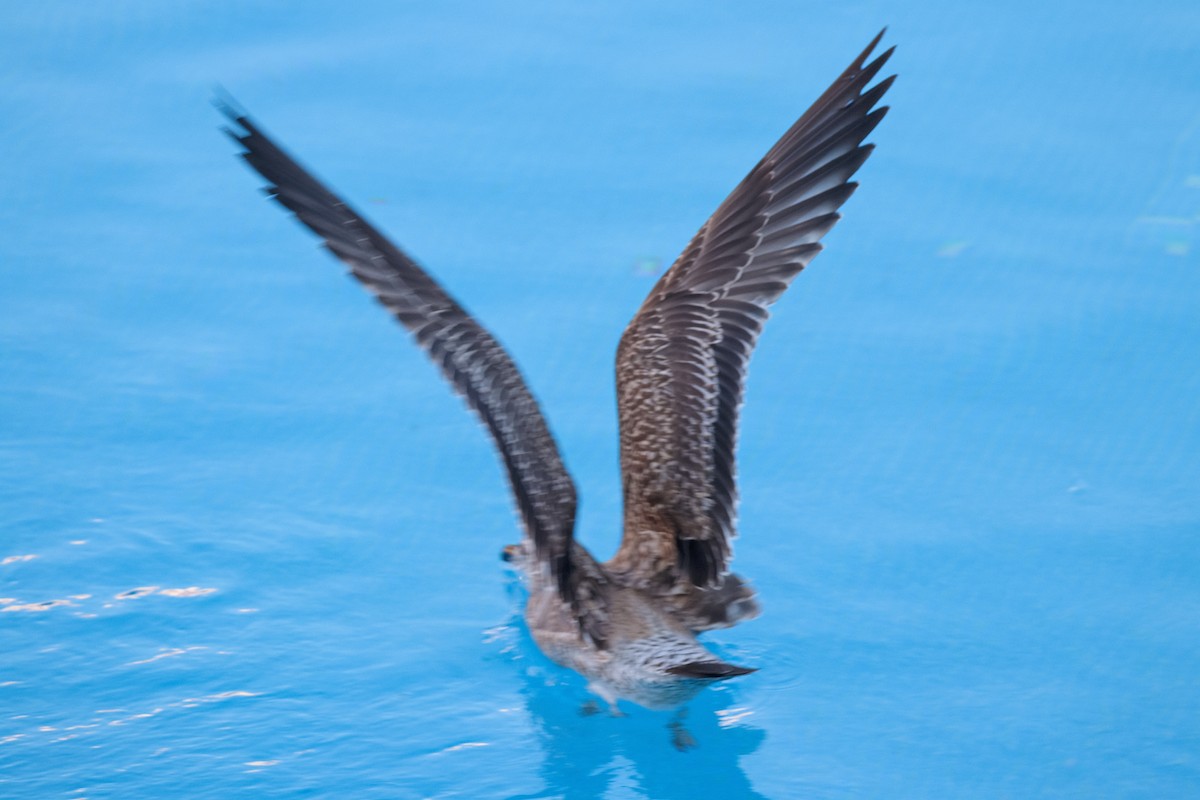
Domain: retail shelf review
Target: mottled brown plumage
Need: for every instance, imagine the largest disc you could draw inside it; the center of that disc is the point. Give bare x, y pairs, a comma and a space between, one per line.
629, 624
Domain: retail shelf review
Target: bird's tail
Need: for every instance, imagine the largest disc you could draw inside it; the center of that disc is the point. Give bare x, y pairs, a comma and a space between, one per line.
709, 670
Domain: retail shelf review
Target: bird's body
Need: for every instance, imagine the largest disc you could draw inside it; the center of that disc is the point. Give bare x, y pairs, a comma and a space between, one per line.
651, 657
629, 624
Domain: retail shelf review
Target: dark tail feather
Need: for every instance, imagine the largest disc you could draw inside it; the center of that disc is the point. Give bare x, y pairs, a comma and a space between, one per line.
709, 670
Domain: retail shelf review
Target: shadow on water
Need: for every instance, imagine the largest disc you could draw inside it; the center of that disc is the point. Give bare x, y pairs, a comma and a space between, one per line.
588, 755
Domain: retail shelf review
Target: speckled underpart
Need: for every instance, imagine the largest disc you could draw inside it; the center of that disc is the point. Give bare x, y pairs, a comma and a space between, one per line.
629, 625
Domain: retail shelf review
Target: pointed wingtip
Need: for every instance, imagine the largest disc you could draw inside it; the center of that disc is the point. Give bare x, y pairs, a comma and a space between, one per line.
234, 112
866, 53
224, 102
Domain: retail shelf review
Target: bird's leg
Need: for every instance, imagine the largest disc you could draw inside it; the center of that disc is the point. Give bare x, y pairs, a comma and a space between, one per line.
589, 708
680, 737
607, 697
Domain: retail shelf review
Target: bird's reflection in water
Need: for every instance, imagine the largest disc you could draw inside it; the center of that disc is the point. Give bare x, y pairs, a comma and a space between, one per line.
588, 755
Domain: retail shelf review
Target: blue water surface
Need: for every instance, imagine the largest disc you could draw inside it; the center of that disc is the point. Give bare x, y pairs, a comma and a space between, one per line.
249, 541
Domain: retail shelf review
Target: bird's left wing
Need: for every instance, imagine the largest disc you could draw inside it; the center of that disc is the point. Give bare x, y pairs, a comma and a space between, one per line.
470, 358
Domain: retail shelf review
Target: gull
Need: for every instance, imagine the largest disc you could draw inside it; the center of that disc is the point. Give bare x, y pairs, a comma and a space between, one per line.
629, 624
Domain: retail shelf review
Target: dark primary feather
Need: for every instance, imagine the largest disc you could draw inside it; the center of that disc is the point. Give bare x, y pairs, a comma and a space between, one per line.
681, 363
470, 358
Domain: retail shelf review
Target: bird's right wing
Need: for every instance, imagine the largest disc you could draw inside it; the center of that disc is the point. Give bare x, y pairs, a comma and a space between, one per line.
469, 357
681, 363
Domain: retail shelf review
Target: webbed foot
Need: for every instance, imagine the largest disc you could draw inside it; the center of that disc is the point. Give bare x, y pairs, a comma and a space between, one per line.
680, 738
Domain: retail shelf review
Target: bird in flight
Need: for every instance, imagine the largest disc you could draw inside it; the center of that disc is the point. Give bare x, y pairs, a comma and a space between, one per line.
629, 624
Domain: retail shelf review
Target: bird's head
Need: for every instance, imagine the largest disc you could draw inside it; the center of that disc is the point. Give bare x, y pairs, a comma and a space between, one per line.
515, 555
